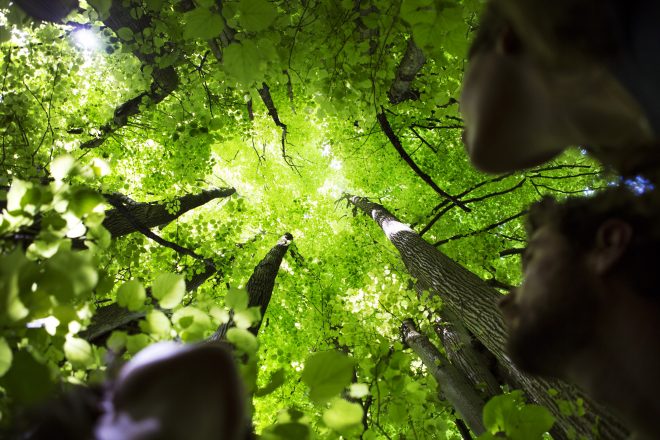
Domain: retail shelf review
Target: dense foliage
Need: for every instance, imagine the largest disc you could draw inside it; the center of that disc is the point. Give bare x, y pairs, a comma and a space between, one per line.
156, 99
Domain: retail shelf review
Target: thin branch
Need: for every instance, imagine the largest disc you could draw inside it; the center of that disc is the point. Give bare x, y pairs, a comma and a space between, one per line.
473, 200
264, 93
387, 129
511, 251
480, 231
418, 136
148, 233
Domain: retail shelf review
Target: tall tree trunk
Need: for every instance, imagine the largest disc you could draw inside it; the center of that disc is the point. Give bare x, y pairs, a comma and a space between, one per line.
153, 214
454, 386
474, 303
260, 285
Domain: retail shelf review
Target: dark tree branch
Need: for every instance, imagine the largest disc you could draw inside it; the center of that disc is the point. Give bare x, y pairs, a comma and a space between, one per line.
264, 93
151, 215
512, 251
387, 129
482, 230
466, 201
119, 205
418, 136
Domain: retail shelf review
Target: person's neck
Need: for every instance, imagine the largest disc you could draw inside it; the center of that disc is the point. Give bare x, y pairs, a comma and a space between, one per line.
621, 369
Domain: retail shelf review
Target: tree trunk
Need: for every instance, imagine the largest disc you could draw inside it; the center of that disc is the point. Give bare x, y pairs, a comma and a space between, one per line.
260, 285
454, 386
411, 63
113, 316
154, 214
463, 352
474, 303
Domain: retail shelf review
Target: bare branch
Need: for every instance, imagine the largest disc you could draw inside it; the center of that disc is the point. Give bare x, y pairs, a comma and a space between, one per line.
387, 129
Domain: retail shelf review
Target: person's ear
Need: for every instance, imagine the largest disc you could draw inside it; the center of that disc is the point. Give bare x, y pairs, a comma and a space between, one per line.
612, 240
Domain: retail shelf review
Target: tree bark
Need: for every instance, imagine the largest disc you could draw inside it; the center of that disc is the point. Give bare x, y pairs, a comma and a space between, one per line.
411, 63
154, 214
113, 316
462, 351
474, 303
454, 386
260, 285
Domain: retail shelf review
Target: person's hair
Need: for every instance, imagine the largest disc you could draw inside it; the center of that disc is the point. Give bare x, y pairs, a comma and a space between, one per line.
578, 219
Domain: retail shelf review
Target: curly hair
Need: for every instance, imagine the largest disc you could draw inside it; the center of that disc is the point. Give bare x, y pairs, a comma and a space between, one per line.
578, 219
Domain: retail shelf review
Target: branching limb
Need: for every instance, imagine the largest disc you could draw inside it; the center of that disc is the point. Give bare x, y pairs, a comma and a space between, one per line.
482, 230
264, 93
394, 140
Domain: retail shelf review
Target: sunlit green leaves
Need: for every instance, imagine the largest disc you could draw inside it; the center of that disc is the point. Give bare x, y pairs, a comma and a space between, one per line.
131, 295
11, 287
168, 289
202, 23
6, 356
243, 62
243, 340
158, 324
236, 299
192, 324
78, 352
326, 374
509, 414
342, 415
61, 166
256, 15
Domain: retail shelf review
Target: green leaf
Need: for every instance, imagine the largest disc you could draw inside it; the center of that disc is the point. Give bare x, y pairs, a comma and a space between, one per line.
192, 324
202, 23
247, 318
102, 7
125, 33
117, 341
499, 412
169, 289
27, 381
15, 194
5, 356
287, 431
359, 390
135, 343
243, 340
276, 380
84, 200
131, 295
12, 266
342, 415
78, 352
532, 422
327, 373
237, 299
159, 323
243, 62
61, 166
256, 15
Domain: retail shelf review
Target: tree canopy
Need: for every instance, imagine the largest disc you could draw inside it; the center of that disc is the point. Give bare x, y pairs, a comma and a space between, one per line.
155, 151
